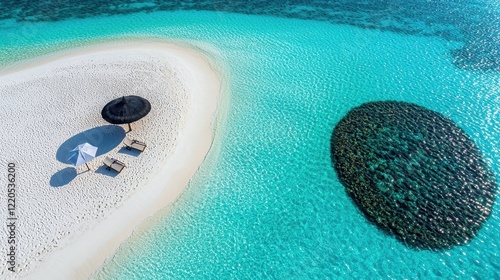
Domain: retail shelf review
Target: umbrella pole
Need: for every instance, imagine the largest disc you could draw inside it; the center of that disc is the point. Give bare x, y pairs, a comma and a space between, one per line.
87, 166
129, 127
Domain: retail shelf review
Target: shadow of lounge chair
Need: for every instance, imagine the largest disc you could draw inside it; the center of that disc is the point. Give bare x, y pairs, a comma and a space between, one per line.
114, 164
134, 144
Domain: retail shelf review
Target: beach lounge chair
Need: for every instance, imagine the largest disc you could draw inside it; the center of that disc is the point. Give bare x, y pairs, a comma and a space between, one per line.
114, 164
134, 144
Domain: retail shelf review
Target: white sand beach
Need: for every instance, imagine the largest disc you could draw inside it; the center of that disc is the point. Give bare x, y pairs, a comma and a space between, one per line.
70, 220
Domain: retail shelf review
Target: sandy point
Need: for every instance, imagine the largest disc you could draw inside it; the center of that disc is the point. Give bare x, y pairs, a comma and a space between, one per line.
70, 220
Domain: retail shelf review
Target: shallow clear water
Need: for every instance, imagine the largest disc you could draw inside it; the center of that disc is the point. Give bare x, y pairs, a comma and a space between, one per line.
267, 202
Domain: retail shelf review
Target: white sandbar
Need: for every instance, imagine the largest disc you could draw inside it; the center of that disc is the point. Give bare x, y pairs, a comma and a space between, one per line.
69, 221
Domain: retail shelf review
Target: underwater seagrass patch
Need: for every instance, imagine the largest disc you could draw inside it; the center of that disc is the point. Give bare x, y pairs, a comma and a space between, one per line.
414, 173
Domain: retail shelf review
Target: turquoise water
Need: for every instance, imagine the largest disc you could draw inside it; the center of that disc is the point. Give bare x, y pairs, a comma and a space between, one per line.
267, 202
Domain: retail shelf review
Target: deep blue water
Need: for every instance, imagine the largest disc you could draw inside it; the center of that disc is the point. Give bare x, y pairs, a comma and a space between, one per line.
473, 23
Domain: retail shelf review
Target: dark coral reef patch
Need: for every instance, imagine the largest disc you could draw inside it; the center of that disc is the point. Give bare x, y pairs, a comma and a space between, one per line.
414, 173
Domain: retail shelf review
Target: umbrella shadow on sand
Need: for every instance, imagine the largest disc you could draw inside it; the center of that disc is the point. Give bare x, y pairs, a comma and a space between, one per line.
63, 177
105, 138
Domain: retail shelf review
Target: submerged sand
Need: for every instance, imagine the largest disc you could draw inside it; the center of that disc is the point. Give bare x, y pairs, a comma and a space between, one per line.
70, 220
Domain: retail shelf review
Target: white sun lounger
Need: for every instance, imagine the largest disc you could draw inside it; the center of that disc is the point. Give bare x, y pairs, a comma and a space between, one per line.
134, 144
114, 164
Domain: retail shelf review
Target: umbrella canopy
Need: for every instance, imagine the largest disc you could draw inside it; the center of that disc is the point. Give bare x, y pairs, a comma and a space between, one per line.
126, 109
83, 153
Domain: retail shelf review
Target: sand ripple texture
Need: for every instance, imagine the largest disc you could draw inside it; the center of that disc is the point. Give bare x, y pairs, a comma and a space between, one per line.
59, 103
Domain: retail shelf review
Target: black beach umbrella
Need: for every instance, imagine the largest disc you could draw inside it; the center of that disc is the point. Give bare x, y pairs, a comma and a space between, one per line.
126, 109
